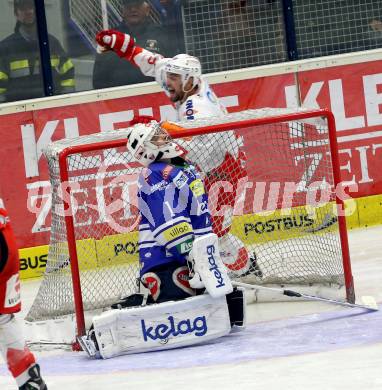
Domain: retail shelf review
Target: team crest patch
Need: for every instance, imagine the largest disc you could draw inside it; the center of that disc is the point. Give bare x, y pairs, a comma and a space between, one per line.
152, 45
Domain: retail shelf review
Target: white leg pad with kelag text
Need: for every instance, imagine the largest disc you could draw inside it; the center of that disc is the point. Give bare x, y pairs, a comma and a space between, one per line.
161, 326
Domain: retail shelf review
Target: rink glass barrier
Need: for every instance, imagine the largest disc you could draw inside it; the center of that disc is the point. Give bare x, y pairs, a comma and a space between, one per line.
224, 34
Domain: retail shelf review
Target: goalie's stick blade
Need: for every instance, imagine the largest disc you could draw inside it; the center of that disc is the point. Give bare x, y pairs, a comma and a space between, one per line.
296, 294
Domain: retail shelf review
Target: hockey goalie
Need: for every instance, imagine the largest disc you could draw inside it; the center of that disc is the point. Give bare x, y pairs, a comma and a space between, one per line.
187, 296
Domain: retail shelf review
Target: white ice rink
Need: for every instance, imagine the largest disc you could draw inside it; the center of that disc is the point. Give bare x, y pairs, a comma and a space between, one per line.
286, 346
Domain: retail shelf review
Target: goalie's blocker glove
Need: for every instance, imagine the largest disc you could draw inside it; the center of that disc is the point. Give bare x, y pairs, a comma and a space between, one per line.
122, 44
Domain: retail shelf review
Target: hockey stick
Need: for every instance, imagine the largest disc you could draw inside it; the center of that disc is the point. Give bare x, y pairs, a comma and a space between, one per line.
371, 306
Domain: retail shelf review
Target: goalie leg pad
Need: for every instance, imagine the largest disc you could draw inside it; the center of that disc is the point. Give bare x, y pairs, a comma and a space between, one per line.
161, 326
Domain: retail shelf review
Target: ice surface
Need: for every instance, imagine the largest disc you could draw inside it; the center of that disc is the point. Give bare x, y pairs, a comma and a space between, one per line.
297, 345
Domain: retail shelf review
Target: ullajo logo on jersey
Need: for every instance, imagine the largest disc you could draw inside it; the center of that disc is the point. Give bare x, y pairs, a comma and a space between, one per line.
161, 332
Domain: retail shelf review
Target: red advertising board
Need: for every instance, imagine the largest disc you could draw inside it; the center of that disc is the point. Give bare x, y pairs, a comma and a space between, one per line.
354, 95
353, 92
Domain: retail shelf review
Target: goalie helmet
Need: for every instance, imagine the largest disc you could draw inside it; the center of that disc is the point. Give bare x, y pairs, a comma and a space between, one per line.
186, 66
149, 142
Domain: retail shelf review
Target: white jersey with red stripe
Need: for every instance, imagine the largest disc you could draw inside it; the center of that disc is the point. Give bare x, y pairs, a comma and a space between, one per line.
203, 104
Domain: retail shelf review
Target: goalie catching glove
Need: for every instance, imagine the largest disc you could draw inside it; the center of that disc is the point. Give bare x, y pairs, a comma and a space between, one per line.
122, 44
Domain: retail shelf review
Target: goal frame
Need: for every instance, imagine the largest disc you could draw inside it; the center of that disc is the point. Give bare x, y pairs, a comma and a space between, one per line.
292, 116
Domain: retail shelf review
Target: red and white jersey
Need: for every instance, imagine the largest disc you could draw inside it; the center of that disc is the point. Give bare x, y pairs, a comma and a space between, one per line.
9, 275
203, 104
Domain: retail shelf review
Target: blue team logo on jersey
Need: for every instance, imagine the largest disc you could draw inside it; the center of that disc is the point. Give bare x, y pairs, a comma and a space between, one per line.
190, 110
163, 331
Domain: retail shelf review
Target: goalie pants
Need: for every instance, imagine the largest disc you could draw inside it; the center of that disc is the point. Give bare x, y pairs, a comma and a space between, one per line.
168, 282
9, 269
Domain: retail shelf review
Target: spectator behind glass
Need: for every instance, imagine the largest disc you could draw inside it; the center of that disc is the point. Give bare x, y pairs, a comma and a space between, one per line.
253, 32
172, 19
110, 70
375, 31
20, 71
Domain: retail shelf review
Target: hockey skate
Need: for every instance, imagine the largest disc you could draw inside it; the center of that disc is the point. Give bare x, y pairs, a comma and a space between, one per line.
35, 382
89, 344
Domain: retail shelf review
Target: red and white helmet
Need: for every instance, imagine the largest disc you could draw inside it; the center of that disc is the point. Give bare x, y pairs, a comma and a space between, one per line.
187, 66
149, 142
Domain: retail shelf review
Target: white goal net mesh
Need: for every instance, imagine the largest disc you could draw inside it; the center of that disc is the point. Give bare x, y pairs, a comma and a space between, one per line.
281, 196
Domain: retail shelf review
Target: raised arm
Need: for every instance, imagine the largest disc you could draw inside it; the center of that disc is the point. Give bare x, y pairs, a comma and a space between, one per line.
124, 46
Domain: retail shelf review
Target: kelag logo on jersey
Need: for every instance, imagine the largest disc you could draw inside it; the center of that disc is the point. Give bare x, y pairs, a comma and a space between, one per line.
163, 331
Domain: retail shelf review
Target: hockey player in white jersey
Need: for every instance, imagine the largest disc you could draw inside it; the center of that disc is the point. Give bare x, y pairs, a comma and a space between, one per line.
182, 81
176, 243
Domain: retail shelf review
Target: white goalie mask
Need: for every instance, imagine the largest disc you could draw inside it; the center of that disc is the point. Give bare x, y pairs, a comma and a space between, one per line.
149, 142
186, 66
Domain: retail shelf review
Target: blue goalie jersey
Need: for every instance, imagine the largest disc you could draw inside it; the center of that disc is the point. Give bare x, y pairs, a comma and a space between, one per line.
174, 210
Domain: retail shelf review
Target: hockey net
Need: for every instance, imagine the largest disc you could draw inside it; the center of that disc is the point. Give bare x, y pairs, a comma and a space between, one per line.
284, 209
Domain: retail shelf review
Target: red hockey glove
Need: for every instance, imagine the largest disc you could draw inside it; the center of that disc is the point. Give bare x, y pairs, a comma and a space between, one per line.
141, 119
120, 43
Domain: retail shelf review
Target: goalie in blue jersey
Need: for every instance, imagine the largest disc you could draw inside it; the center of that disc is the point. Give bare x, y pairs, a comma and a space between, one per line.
191, 298
173, 204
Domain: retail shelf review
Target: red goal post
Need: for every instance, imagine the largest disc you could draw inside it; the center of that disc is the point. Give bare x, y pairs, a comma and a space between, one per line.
297, 239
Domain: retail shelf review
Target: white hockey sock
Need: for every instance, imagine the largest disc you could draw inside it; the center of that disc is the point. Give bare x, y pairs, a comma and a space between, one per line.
13, 348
